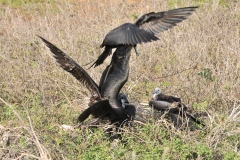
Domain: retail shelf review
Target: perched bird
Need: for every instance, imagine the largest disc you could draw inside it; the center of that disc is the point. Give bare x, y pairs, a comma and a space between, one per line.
171, 104
142, 31
162, 102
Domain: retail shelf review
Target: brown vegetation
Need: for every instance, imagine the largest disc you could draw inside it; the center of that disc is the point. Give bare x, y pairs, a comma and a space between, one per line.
198, 61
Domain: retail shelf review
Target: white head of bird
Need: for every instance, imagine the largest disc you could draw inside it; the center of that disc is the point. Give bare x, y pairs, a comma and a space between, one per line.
156, 92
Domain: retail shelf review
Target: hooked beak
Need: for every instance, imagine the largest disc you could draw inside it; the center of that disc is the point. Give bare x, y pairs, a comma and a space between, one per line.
154, 92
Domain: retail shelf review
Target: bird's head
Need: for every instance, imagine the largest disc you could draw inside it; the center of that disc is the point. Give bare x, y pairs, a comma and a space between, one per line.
156, 92
123, 99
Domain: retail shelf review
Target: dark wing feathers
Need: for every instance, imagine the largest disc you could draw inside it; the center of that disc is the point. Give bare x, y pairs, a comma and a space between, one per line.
84, 115
99, 109
126, 35
159, 105
69, 65
161, 21
143, 30
170, 99
107, 52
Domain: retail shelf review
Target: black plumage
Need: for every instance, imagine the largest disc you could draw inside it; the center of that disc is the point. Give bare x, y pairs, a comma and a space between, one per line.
142, 31
162, 102
103, 109
69, 65
113, 108
106, 100
171, 104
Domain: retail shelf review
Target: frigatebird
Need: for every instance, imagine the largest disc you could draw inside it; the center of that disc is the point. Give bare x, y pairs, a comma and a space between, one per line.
99, 105
143, 30
171, 104
119, 71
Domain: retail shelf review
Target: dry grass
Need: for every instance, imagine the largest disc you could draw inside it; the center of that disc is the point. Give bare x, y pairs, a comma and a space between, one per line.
197, 61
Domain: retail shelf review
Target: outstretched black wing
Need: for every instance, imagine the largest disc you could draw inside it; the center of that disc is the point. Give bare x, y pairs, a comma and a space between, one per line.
127, 34
68, 64
161, 21
144, 30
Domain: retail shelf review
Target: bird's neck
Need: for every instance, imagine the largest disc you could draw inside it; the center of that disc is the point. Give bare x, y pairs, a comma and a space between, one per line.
155, 96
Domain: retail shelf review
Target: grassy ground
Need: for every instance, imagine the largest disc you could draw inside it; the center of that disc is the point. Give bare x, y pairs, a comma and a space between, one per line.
197, 61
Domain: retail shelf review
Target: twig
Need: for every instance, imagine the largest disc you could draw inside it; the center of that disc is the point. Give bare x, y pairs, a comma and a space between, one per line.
178, 72
41, 148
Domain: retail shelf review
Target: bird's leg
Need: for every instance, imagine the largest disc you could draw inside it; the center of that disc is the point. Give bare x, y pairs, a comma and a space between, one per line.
88, 63
135, 48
